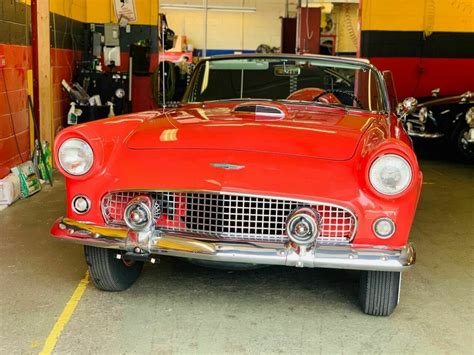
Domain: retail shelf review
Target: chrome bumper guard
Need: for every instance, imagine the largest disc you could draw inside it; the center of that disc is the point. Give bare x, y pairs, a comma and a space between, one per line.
335, 256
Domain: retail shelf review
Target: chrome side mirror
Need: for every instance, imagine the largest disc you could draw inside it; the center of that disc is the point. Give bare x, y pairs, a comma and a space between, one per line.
407, 106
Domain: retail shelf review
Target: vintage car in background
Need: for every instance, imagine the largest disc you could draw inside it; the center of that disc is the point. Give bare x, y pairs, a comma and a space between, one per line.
444, 119
269, 160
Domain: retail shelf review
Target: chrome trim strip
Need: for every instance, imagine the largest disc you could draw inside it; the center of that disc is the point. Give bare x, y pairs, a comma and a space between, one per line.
425, 135
413, 133
282, 198
227, 166
355, 257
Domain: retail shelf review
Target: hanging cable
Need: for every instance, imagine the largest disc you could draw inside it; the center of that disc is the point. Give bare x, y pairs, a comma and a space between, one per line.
308, 35
348, 24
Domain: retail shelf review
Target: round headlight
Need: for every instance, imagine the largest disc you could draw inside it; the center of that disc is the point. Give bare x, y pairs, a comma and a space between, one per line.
470, 116
76, 156
390, 174
423, 114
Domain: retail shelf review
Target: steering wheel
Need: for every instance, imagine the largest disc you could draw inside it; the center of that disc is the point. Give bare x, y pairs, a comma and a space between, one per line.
347, 93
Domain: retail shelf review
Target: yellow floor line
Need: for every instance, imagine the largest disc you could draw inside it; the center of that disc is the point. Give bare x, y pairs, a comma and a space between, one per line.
65, 316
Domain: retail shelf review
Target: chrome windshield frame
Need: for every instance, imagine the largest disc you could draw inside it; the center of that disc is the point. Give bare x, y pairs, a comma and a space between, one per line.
364, 64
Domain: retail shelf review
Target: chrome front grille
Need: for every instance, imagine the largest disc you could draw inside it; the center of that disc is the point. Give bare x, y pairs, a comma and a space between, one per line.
233, 217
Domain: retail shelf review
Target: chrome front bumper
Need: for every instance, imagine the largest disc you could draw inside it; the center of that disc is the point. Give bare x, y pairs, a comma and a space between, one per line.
356, 257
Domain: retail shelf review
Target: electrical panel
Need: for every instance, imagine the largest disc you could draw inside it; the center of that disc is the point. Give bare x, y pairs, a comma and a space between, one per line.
111, 34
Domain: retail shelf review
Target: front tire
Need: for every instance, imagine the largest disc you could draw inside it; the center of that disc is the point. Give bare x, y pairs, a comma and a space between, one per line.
109, 273
379, 292
462, 148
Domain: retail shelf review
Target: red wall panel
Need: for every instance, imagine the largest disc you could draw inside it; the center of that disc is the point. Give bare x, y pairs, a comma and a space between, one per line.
418, 76
142, 99
308, 29
14, 119
18, 61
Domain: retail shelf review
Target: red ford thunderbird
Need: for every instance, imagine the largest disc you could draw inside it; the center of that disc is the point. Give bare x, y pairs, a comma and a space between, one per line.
269, 160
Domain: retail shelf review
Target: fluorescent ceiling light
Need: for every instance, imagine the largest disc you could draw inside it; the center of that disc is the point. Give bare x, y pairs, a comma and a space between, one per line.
188, 7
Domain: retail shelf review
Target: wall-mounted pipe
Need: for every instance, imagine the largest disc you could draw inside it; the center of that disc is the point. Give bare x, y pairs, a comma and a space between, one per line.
208, 7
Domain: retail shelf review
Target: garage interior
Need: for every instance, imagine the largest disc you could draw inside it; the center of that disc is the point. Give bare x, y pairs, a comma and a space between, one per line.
110, 63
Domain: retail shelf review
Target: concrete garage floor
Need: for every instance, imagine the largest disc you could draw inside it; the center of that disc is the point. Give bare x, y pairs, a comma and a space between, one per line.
176, 307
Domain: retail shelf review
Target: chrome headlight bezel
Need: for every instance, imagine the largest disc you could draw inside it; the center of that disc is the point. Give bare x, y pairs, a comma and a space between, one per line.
423, 114
84, 156
390, 165
384, 235
470, 117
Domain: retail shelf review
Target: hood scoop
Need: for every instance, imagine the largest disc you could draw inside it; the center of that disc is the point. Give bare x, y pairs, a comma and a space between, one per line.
263, 110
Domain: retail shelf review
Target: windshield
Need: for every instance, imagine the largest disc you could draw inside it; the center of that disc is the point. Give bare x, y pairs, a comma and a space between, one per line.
298, 80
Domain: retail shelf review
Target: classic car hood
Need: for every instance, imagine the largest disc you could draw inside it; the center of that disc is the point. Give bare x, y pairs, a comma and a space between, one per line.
321, 132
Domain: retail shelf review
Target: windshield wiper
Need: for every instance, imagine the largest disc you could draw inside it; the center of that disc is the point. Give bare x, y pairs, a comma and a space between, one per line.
319, 103
240, 99
314, 103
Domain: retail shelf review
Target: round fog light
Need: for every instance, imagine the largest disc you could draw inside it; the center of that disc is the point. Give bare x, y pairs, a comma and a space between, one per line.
384, 228
302, 226
81, 204
138, 215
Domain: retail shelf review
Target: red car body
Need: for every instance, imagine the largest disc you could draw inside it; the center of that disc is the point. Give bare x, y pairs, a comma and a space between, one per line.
309, 153
177, 147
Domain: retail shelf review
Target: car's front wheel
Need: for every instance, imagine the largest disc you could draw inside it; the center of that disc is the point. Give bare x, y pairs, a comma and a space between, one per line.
463, 148
109, 273
379, 292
